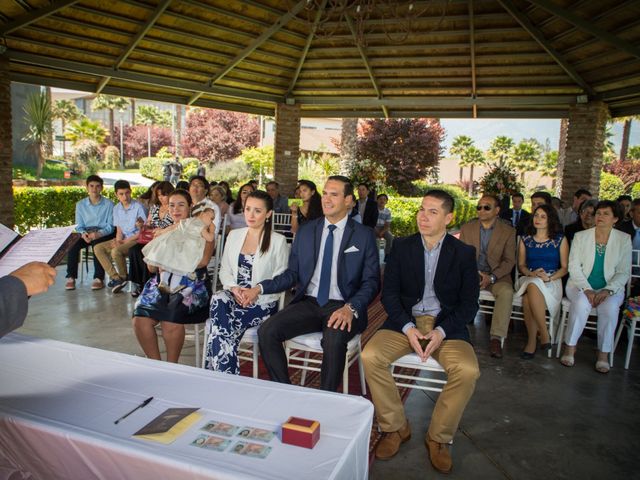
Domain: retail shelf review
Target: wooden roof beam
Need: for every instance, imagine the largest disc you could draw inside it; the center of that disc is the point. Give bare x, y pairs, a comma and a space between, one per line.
162, 6
102, 84
307, 45
472, 48
587, 26
281, 22
158, 80
524, 21
365, 59
35, 15
441, 101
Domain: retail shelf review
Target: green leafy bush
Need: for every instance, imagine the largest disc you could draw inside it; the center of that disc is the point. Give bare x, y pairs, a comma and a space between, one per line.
52, 206
404, 210
111, 157
235, 172
611, 187
635, 190
151, 167
259, 160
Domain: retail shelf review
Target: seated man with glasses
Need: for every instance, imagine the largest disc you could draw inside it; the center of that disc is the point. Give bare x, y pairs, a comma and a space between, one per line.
495, 244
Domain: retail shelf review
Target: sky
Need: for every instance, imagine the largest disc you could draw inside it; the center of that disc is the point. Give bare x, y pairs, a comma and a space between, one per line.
482, 131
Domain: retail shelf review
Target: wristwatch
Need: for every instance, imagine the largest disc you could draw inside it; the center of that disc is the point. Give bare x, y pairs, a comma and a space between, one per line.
493, 278
352, 308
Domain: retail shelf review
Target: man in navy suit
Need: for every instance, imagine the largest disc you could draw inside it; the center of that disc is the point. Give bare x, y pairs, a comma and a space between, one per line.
335, 268
430, 293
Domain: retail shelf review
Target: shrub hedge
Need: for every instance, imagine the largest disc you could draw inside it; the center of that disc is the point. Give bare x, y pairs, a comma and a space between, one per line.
55, 207
151, 167
52, 206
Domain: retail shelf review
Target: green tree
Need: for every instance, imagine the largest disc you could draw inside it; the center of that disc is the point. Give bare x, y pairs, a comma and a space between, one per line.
501, 150
526, 156
38, 115
149, 115
634, 152
626, 134
85, 129
108, 102
459, 147
260, 160
608, 149
66, 111
548, 166
470, 158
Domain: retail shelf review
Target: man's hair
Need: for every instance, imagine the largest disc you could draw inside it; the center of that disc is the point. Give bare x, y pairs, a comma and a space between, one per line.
273, 182
546, 196
448, 203
204, 181
383, 195
496, 200
635, 203
582, 191
121, 185
348, 186
362, 184
94, 178
622, 198
588, 203
614, 206
518, 194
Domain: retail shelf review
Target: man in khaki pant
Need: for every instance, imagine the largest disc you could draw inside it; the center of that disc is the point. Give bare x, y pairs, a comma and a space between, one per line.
430, 293
128, 216
495, 244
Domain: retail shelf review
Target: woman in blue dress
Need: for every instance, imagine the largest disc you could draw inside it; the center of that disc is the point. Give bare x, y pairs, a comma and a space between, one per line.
173, 311
251, 254
543, 256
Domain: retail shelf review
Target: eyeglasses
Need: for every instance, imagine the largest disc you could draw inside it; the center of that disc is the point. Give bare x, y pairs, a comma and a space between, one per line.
484, 207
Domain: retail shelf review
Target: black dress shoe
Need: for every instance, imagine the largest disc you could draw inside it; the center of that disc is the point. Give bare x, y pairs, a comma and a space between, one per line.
527, 356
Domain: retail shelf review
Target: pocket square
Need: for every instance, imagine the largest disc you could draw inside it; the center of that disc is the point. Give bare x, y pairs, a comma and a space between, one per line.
351, 249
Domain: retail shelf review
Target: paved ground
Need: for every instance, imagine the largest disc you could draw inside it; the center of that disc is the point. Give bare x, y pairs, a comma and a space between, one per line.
133, 178
527, 419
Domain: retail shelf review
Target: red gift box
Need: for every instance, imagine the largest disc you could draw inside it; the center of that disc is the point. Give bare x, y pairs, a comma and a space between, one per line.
301, 432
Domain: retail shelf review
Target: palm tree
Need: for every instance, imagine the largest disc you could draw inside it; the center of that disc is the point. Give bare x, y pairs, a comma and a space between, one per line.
65, 111
526, 156
471, 157
149, 115
85, 129
548, 166
37, 109
626, 133
460, 145
107, 102
501, 150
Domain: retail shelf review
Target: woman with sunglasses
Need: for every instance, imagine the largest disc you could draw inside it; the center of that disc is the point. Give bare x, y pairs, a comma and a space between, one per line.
543, 255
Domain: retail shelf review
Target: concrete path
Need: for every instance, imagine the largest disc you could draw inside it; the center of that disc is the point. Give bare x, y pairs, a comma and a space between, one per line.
133, 178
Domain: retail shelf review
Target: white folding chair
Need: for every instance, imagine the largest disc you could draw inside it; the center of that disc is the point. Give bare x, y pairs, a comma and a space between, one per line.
213, 268
86, 254
298, 356
632, 324
282, 224
434, 380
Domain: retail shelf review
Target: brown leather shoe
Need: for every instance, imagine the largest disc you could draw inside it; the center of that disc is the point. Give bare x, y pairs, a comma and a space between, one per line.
439, 455
390, 443
495, 347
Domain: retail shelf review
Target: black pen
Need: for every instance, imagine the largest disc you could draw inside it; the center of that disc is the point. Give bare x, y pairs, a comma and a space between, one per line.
142, 405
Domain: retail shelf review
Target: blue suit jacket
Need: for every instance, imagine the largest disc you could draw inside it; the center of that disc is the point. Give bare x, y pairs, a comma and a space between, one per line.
358, 271
455, 283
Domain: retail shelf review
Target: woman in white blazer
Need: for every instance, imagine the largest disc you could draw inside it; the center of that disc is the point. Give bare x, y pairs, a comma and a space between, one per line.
251, 254
599, 269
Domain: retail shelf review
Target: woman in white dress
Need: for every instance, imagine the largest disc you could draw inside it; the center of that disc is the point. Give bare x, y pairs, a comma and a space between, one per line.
543, 255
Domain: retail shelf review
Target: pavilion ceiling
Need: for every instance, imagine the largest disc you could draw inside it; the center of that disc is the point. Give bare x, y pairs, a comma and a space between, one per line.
454, 58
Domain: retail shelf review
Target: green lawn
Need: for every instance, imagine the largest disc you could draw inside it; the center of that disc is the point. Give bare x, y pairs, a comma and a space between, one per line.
51, 170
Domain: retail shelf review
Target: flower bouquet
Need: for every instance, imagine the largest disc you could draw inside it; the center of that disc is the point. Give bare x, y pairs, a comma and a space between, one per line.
500, 181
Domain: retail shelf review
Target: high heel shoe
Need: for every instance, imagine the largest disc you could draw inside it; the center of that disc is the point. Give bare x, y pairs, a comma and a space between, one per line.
527, 355
545, 347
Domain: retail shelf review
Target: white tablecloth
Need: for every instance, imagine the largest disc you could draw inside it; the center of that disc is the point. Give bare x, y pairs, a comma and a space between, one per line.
58, 402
